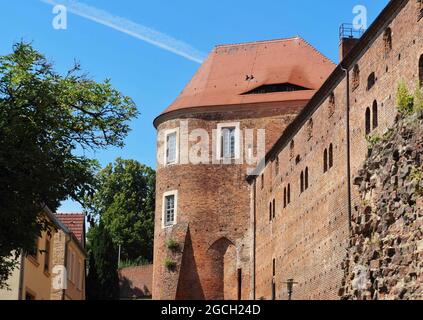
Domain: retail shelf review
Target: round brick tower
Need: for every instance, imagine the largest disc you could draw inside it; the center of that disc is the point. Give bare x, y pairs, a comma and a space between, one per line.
233, 110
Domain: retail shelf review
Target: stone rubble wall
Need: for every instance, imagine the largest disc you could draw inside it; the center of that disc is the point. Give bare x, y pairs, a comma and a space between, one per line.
385, 257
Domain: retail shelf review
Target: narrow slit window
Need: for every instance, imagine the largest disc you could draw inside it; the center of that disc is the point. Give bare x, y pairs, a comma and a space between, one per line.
289, 194
284, 197
331, 156
325, 161
375, 121
368, 124
306, 179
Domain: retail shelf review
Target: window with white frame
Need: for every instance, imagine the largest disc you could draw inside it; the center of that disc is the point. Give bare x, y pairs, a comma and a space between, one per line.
172, 147
169, 209
228, 141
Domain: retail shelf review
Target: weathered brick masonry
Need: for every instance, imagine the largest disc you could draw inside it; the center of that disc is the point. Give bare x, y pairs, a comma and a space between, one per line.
244, 238
213, 229
307, 240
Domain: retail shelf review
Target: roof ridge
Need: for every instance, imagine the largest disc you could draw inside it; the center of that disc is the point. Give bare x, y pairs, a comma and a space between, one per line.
317, 51
257, 42
70, 213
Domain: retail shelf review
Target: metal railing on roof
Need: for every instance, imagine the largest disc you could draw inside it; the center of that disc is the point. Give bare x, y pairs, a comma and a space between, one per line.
349, 30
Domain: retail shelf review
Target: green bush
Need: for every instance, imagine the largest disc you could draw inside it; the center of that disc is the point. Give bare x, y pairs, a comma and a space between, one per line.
172, 245
405, 100
170, 264
373, 140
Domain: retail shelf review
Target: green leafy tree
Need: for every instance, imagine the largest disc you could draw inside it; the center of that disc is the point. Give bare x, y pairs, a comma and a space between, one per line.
45, 118
102, 278
124, 200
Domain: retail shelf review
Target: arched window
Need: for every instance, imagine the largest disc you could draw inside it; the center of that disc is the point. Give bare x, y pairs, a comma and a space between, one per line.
325, 161
368, 124
371, 80
331, 156
375, 115
387, 40
331, 104
421, 70
310, 129
302, 182
356, 77
288, 198
292, 149
306, 179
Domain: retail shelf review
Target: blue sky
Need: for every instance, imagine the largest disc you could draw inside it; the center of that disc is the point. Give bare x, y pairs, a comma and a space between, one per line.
152, 76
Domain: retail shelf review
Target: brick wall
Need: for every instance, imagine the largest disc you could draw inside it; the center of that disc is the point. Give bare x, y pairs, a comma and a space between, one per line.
213, 219
308, 238
136, 282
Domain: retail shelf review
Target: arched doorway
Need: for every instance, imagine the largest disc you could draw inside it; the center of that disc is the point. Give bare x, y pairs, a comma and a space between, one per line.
223, 277
421, 71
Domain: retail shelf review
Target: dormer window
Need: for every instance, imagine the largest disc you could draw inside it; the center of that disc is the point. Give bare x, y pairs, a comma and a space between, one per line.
273, 88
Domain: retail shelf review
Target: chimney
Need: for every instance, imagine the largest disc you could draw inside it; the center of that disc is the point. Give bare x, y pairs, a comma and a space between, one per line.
345, 46
348, 38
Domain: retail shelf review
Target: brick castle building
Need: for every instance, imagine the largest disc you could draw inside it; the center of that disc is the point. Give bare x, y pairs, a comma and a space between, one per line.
226, 231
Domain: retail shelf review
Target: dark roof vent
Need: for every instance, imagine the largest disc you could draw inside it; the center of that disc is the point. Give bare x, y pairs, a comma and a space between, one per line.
279, 87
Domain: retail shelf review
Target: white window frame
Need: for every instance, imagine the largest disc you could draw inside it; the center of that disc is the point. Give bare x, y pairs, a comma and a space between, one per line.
168, 133
173, 193
220, 128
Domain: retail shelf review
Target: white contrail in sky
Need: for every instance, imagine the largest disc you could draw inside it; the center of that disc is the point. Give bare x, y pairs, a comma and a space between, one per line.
131, 28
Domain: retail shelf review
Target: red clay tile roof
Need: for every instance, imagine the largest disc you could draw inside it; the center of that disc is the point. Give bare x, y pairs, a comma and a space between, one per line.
75, 222
222, 79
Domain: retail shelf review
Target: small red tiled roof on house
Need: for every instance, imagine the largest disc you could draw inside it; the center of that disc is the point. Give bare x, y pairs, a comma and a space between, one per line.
231, 71
75, 222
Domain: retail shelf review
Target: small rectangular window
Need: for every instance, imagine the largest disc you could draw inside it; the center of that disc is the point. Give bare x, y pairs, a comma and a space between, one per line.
169, 210
228, 143
171, 148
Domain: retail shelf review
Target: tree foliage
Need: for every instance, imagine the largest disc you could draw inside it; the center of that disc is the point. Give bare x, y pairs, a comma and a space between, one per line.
124, 200
45, 118
102, 279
